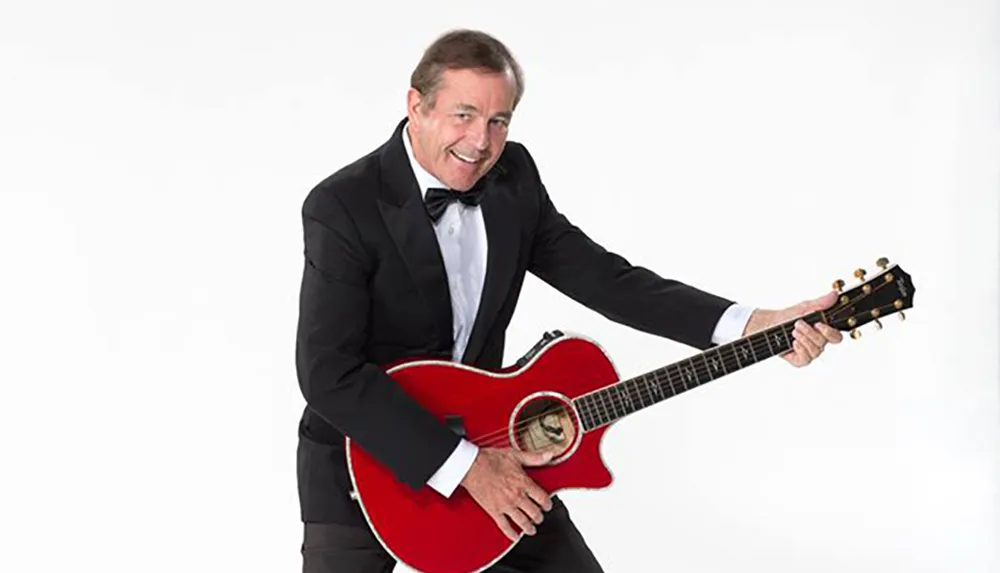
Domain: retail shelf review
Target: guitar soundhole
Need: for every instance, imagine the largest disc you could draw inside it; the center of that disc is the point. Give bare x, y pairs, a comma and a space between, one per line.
545, 424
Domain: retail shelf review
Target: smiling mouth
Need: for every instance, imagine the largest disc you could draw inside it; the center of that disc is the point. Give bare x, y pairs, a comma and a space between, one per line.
465, 159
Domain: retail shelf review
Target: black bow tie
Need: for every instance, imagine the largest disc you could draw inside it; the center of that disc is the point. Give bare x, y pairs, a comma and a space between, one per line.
437, 199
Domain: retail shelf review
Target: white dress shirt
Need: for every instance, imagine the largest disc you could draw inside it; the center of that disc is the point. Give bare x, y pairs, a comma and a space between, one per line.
461, 234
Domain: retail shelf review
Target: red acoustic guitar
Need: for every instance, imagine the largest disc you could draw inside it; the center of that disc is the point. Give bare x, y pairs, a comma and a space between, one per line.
561, 396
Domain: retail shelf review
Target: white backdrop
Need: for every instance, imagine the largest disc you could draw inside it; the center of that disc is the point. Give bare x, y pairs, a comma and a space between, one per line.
153, 162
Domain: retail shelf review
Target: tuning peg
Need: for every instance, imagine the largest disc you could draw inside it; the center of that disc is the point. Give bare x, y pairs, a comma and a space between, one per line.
878, 324
855, 334
902, 316
882, 263
838, 285
860, 274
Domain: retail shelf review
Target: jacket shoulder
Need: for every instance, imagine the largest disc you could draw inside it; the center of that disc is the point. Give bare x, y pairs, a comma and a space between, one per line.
354, 182
517, 162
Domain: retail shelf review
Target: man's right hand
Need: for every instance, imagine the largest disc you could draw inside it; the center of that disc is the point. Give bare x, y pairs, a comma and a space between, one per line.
499, 485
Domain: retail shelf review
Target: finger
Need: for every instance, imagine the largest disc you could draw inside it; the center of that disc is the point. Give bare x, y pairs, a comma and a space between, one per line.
809, 350
824, 302
811, 334
831, 334
521, 520
531, 509
504, 525
806, 352
798, 357
533, 458
538, 495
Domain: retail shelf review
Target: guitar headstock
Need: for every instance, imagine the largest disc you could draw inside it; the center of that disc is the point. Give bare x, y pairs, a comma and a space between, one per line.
890, 291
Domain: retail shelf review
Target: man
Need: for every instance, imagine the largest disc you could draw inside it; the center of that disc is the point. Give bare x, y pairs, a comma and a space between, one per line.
396, 267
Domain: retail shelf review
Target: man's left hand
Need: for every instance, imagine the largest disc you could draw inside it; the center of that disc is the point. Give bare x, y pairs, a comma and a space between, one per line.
809, 339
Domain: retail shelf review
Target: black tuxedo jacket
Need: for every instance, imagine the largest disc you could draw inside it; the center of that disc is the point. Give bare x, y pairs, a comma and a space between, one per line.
374, 291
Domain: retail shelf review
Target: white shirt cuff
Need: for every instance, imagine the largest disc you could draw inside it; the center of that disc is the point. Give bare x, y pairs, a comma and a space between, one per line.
730, 327
453, 470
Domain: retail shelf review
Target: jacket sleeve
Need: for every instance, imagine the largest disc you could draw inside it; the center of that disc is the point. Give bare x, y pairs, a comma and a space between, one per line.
353, 395
567, 259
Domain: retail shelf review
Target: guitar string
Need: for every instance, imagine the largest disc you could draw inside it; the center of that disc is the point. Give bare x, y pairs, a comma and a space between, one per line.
595, 411
691, 360
500, 435
609, 403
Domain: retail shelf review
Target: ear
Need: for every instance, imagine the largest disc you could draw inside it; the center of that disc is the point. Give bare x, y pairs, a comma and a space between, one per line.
414, 99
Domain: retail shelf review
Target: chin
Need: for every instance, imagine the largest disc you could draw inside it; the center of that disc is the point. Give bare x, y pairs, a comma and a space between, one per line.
462, 182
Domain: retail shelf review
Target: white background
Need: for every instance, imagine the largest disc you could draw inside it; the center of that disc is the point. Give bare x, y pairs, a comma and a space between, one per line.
153, 162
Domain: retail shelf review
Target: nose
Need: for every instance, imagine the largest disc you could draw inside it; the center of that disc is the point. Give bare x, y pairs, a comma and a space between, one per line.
479, 135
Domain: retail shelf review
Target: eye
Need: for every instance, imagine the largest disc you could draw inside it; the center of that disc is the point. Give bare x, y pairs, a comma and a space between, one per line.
463, 115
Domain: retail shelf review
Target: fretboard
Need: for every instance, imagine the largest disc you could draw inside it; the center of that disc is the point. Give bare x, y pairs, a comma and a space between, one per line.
614, 402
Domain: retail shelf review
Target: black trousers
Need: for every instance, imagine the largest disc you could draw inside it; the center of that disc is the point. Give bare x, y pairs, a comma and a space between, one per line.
556, 547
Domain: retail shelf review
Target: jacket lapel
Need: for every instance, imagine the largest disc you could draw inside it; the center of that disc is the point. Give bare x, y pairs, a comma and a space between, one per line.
411, 229
503, 236
402, 208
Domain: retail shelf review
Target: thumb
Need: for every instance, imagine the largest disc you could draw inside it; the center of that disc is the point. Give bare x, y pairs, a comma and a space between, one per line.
820, 303
534, 458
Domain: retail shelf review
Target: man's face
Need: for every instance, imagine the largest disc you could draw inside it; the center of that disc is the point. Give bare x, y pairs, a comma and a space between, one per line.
461, 137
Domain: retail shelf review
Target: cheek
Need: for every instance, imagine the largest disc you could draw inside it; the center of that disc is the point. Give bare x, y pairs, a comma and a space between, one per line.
497, 141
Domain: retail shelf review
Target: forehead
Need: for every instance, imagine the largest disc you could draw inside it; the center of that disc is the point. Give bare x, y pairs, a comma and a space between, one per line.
487, 91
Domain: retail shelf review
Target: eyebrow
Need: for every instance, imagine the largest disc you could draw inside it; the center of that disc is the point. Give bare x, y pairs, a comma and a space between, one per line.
469, 107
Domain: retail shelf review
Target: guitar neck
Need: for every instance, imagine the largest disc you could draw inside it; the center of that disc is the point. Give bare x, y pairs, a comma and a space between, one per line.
614, 402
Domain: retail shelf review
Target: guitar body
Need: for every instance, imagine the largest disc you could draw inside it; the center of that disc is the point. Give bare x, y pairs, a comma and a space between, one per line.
434, 534
537, 405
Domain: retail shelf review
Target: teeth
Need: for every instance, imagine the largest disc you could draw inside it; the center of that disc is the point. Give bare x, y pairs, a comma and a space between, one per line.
464, 158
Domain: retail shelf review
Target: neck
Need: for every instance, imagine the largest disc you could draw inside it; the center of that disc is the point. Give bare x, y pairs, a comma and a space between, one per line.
612, 403
416, 152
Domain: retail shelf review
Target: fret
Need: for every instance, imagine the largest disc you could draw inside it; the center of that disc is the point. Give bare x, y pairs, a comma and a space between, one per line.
688, 374
717, 362
655, 391
609, 392
696, 377
602, 413
784, 336
595, 409
609, 405
663, 382
585, 411
640, 387
615, 401
640, 395
708, 369
585, 407
626, 392
673, 378
769, 349
583, 414
741, 348
780, 340
630, 396
623, 391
